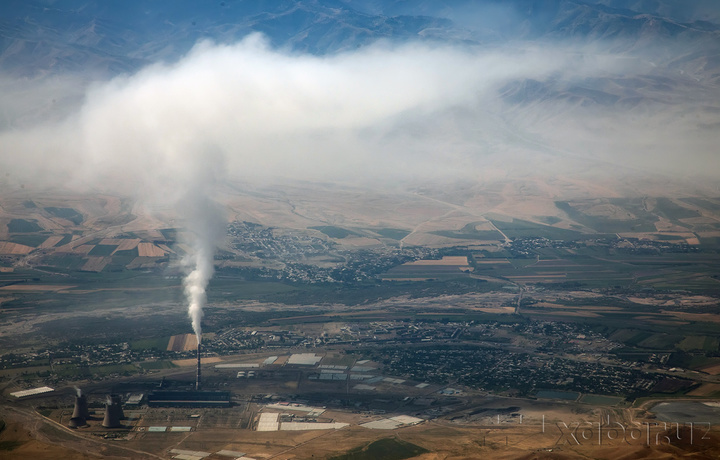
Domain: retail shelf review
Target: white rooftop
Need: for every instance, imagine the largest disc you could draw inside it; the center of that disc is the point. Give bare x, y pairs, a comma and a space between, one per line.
32, 392
304, 359
268, 421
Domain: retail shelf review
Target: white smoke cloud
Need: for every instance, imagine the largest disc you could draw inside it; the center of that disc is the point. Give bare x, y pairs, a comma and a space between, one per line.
173, 132
384, 111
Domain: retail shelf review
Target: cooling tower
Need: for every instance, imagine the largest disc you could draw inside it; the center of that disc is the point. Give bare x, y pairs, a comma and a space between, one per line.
76, 422
113, 412
80, 412
81, 407
197, 380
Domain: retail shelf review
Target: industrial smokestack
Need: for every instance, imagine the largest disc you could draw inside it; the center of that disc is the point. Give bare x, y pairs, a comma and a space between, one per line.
113, 412
197, 379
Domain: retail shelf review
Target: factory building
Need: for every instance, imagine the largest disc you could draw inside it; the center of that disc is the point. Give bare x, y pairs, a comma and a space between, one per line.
189, 399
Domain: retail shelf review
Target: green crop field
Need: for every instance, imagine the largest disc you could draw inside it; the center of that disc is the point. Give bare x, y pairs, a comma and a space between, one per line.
392, 233
33, 240
335, 232
159, 343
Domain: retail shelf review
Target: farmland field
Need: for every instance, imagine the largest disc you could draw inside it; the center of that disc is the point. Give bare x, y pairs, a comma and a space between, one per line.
447, 267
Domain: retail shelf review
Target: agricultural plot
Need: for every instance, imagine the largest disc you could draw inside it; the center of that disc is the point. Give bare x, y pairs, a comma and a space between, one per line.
587, 271
182, 342
66, 213
447, 267
701, 342
706, 390
518, 228
8, 248
102, 250
335, 232
52, 241
672, 211
612, 216
471, 232
708, 204
149, 250
95, 264
159, 343
143, 262
23, 226
29, 239
590, 267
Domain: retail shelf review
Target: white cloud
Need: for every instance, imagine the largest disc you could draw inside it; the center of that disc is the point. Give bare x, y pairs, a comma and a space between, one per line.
384, 111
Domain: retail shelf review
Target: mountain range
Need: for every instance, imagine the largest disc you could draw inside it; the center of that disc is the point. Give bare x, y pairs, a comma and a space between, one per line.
40, 37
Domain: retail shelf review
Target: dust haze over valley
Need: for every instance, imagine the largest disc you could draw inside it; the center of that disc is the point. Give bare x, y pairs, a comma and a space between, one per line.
474, 211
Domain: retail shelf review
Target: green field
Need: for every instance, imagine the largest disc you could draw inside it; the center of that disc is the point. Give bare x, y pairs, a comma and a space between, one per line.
335, 232
643, 220
32, 240
469, 232
392, 233
699, 343
383, 449
159, 343
102, 250
518, 228
23, 226
422, 272
157, 365
66, 213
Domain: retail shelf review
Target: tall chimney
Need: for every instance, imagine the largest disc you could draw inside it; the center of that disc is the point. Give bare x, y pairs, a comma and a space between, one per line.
197, 380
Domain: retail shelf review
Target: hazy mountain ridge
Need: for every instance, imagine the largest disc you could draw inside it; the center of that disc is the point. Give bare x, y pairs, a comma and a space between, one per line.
40, 36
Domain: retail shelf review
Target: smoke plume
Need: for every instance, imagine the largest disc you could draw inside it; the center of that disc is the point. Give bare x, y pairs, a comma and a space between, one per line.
205, 221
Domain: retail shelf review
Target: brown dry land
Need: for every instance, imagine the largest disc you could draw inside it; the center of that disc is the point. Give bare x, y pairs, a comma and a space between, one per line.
193, 361
182, 342
706, 389
447, 260
7, 248
149, 250
123, 244
96, 264
83, 249
142, 262
712, 370
51, 242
